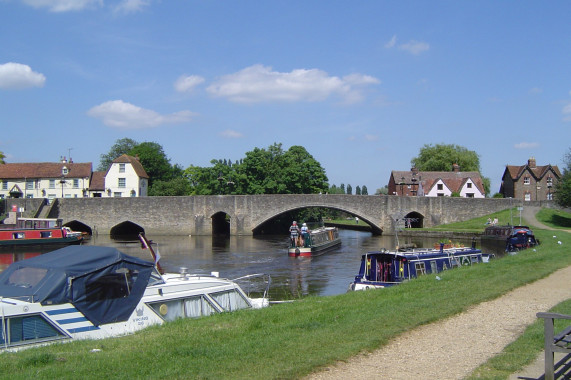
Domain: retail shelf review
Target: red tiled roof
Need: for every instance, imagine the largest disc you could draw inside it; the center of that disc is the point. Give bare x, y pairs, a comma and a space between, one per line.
45, 170
97, 182
134, 161
453, 180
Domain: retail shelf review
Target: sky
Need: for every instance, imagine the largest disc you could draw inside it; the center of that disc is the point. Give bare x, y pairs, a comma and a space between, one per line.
361, 85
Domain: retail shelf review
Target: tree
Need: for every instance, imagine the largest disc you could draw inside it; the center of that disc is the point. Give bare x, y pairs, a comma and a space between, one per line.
155, 162
364, 190
442, 157
563, 187
121, 146
349, 189
358, 190
2, 157
175, 187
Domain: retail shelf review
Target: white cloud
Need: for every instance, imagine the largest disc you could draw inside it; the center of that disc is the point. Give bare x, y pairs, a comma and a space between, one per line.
259, 83
567, 111
415, 47
526, 145
230, 134
64, 5
187, 83
131, 6
371, 137
18, 76
391, 43
122, 115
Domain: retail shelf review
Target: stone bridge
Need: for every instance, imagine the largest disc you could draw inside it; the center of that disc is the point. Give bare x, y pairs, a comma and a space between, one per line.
198, 215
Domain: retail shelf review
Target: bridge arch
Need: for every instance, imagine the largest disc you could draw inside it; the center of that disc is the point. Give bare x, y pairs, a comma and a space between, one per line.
126, 228
78, 226
220, 223
276, 213
414, 219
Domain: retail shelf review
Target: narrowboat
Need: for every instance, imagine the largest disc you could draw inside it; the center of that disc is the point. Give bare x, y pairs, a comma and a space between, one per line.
381, 269
91, 292
37, 232
316, 242
521, 237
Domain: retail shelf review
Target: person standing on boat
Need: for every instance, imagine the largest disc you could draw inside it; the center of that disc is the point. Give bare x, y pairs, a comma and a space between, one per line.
294, 233
305, 234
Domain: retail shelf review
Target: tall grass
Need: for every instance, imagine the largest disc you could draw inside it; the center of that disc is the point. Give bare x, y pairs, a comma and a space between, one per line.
288, 341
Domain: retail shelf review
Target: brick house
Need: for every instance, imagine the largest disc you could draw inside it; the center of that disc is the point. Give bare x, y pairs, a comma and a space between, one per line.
530, 182
436, 184
67, 179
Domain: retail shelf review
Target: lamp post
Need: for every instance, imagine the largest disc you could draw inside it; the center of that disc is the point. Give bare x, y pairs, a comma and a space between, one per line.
62, 180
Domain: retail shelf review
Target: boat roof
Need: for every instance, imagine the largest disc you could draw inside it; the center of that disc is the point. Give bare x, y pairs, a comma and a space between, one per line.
423, 252
101, 282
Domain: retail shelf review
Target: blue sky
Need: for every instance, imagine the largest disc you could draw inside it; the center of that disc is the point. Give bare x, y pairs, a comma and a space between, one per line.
361, 85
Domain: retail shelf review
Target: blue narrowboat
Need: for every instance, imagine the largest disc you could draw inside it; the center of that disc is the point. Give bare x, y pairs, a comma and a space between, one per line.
380, 269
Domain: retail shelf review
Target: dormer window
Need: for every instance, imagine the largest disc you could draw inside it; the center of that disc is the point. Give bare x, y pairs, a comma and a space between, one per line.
64, 170
121, 168
526, 181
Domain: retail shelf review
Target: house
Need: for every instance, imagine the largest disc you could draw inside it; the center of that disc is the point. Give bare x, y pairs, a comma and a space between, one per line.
530, 182
436, 184
126, 177
67, 179
64, 179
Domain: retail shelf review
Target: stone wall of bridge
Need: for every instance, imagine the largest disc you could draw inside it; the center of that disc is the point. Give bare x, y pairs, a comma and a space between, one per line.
192, 215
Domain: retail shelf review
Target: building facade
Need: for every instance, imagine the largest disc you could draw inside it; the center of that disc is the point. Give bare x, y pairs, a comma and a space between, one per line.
436, 184
67, 179
530, 182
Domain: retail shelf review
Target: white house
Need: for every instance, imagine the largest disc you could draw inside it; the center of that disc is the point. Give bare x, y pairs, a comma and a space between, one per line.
126, 177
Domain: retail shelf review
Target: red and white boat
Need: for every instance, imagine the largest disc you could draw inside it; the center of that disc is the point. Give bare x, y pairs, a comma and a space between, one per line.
37, 232
318, 241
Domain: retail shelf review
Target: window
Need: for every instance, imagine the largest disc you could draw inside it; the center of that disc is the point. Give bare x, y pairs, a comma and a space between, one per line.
121, 182
52, 183
121, 168
117, 194
75, 183
440, 186
550, 196
4, 185
527, 196
433, 267
469, 195
29, 185
29, 329
420, 269
526, 180
549, 181
469, 185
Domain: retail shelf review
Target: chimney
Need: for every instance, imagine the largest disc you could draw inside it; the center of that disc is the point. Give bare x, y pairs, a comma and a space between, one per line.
455, 168
414, 170
531, 163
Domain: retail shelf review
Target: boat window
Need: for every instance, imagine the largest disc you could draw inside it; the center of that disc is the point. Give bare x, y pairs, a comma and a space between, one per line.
26, 277
433, 267
111, 286
230, 300
420, 269
474, 259
28, 329
45, 234
19, 235
193, 307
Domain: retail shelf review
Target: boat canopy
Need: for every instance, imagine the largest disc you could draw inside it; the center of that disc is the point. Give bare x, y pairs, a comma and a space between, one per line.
101, 282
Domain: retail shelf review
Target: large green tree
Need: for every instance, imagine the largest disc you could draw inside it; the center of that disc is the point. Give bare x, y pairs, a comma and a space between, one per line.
121, 146
563, 187
442, 157
155, 161
2, 157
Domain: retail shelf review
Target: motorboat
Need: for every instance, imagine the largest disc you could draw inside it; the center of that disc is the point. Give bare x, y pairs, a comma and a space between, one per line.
92, 292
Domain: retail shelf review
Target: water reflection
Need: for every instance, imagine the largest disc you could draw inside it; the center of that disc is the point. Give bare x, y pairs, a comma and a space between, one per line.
236, 256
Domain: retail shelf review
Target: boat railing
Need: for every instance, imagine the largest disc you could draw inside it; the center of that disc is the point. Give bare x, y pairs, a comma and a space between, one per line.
258, 283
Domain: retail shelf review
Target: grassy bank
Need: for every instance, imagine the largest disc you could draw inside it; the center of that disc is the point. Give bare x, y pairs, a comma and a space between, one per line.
290, 340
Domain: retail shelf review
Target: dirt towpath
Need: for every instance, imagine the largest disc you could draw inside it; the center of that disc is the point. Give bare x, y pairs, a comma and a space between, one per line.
454, 347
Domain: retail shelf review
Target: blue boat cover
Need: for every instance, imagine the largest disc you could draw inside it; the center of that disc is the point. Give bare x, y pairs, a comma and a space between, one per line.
101, 282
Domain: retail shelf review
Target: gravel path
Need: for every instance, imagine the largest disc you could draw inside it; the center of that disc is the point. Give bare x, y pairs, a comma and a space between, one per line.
438, 350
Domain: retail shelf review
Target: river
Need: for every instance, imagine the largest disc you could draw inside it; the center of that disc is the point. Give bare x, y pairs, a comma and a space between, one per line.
236, 256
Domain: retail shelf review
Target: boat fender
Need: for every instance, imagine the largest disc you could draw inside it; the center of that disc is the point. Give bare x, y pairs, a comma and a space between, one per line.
163, 309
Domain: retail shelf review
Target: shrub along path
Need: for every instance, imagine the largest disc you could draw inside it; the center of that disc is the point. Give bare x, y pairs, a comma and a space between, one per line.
454, 347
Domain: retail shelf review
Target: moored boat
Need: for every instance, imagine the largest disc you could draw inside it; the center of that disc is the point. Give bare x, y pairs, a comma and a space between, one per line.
91, 292
37, 232
521, 237
315, 242
380, 269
